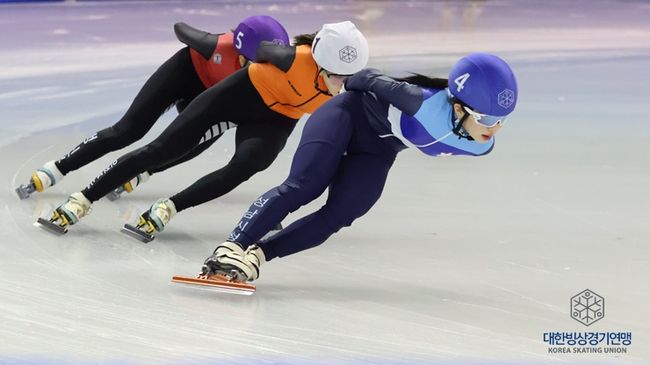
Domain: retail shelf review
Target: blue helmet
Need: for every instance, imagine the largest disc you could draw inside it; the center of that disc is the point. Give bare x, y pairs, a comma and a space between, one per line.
253, 30
485, 83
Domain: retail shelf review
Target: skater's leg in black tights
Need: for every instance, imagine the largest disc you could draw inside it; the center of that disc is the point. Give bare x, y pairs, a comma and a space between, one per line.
257, 146
174, 80
190, 155
232, 99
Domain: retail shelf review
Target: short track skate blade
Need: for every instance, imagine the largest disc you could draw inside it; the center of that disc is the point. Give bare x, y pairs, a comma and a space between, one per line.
24, 191
113, 196
216, 284
51, 227
133, 232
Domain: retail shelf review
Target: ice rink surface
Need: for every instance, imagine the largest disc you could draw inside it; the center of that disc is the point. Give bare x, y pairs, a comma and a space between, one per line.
463, 260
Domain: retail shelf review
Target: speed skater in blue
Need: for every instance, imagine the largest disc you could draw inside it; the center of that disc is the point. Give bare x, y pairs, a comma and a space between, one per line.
349, 145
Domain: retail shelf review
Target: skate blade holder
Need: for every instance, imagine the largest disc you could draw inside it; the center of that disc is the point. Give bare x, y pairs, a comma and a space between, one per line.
134, 232
113, 196
218, 283
24, 191
51, 226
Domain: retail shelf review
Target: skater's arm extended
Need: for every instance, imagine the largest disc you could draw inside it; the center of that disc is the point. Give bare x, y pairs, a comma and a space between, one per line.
404, 96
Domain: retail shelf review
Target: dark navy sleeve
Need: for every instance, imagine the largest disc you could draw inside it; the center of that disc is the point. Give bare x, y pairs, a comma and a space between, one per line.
404, 96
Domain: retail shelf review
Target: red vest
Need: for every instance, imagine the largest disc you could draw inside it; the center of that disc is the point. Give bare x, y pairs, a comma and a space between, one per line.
224, 61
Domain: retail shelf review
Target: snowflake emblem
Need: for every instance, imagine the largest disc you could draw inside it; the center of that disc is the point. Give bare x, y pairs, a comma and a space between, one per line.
348, 54
506, 98
587, 307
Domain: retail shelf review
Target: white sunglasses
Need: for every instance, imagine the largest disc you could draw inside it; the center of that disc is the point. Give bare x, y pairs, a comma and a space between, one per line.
485, 120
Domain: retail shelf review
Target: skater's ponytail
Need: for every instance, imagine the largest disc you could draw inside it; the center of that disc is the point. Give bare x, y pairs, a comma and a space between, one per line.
424, 81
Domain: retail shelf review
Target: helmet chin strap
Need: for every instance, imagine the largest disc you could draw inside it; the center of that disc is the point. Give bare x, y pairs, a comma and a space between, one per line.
317, 87
457, 124
458, 128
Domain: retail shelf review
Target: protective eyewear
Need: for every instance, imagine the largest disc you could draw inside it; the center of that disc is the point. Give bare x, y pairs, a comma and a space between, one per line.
485, 120
332, 75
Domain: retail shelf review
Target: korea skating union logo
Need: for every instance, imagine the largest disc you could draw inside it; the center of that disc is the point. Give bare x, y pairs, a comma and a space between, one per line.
506, 98
348, 54
587, 307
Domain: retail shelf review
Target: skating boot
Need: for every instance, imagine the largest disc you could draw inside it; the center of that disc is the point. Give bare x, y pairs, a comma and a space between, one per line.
227, 270
229, 261
152, 221
255, 258
41, 179
129, 186
77, 207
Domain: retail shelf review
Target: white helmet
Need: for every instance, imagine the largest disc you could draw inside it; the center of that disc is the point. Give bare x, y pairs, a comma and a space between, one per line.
340, 48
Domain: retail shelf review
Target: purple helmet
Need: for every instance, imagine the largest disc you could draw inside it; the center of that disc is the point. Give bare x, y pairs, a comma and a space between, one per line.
253, 30
485, 83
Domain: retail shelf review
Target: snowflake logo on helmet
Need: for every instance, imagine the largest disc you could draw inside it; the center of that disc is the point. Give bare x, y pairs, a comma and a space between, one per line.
348, 54
506, 98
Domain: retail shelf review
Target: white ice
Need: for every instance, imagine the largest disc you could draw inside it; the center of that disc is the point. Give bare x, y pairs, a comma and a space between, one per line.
463, 260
